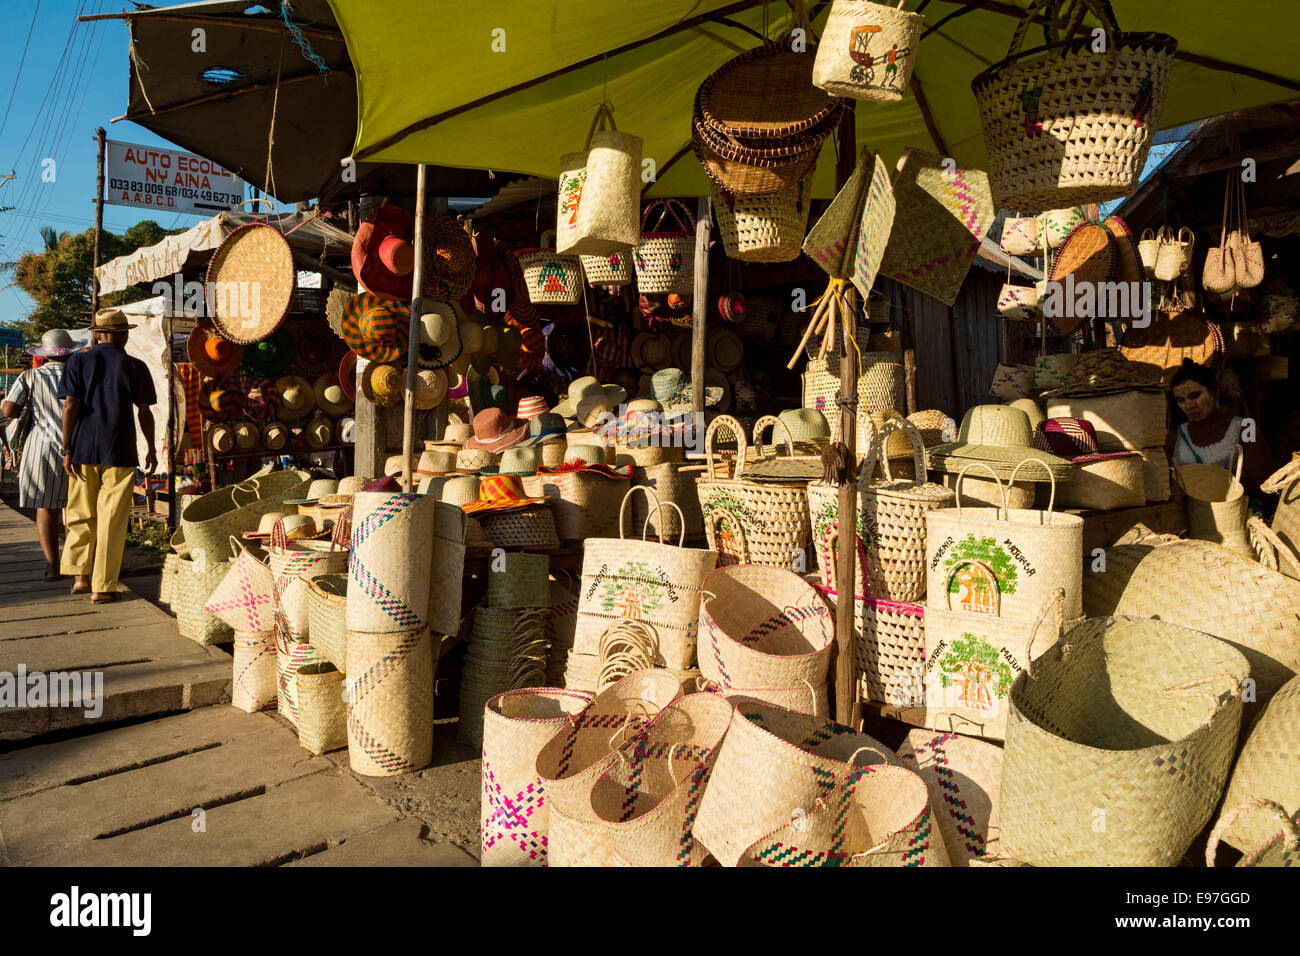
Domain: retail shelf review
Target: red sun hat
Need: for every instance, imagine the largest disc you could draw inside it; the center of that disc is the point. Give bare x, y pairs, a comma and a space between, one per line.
375, 328
348, 374
382, 254
494, 430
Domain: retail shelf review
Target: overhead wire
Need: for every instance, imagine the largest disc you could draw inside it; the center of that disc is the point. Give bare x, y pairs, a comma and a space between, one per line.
31, 27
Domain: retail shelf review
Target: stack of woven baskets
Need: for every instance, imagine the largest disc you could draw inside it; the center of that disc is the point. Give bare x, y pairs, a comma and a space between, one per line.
758, 127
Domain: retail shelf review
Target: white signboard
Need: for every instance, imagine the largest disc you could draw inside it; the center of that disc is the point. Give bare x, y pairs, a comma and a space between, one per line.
169, 180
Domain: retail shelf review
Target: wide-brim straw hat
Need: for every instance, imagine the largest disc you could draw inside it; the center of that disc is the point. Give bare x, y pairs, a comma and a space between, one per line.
110, 320
297, 397
275, 434
1032, 409
381, 384
265, 525
496, 431
210, 353
998, 436
270, 356
590, 391
441, 342
376, 329
348, 374
470, 461
501, 493
330, 395
726, 350
246, 436
221, 438
317, 489
806, 425
651, 351
319, 432
435, 462
1104, 372
430, 388
520, 460
254, 256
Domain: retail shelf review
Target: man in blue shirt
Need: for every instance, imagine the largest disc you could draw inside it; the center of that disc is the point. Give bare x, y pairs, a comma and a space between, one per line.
100, 389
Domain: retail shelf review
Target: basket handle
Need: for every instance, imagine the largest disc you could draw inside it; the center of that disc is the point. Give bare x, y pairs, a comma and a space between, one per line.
867, 747
1051, 501
1052, 32
1147, 234
735, 428
1290, 828
1055, 601
901, 424
1276, 483
997, 590
1190, 241
1235, 459
1002, 512
651, 499
337, 540
604, 116
547, 242
1190, 689
279, 538
771, 421
681, 522
665, 207
711, 529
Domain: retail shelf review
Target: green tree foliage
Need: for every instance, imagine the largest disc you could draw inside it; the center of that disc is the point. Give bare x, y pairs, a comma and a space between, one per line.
971, 655
988, 551
59, 277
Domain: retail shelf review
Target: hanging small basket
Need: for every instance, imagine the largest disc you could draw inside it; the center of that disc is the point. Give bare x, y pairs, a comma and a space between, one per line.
549, 277
867, 51
614, 269
767, 228
665, 260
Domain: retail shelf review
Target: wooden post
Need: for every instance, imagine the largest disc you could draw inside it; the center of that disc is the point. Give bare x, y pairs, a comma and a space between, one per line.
908, 331
99, 220
700, 309
173, 510
413, 335
845, 692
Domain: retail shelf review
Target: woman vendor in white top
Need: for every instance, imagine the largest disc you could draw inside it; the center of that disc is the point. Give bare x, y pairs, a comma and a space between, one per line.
1208, 435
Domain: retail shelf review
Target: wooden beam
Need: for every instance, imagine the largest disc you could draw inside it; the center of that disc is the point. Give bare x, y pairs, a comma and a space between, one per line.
700, 311
684, 25
413, 335
1287, 150
227, 94
1213, 64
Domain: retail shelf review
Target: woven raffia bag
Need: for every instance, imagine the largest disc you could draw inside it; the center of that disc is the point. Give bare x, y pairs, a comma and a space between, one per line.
514, 811
167, 583
1064, 125
584, 504
1268, 769
293, 564
672, 483
1285, 483
327, 601
614, 269
1217, 503
656, 584
768, 228
388, 568
290, 657
880, 385
209, 521
245, 597
773, 762
196, 579
1280, 848
1119, 744
750, 522
600, 191
665, 260
648, 798
569, 763
321, 723
964, 777
549, 277
765, 631
388, 694
253, 683
867, 50
875, 816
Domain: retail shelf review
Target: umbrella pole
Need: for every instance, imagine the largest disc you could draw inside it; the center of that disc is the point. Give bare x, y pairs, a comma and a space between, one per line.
413, 336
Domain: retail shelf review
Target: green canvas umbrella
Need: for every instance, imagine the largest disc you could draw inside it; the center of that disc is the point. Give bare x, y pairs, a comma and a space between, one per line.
518, 81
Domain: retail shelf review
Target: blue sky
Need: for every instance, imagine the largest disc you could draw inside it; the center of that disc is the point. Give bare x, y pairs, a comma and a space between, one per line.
73, 79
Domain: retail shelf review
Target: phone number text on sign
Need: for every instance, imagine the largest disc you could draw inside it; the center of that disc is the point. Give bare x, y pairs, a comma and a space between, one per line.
157, 194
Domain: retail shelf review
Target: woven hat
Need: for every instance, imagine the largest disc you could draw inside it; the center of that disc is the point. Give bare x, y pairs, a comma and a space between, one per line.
274, 435
330, 397
651, 351
221, 438
1075, 440
726, 350
246, 436
1087, 257
496, 431
588, 390
434, 462
449, 259
208, 352
458, 433
56, 343
250, 283
472, 460
530, 407
430, 388
376, 328
1000, 437
440, 342
110, 320
584, 454
671, 388
806, 425
270, 356
520, 460
546, 427
501, 493
312, 348
222, 401
381, 384
460, 490
265, 525
319, 431
382, 254
1103, 372
296, 396
1033, 410
348, 374
314, 492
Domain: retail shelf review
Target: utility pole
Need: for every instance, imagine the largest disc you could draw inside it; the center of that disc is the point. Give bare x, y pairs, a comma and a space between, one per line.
99, 221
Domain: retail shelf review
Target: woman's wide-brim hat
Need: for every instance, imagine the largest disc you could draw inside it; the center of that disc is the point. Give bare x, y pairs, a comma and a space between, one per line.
430, 388
520, 460
588, 389
672, 390
726, 350
1000, 437
250, 282
330, 397
210, 353
271, 356
382, 255
297, 398
376, 329
440, 343
498, 493
317, 489
319, 431
651, 351
381, 384
246, 436
222, 439
55, 343
496, 431
1104, 372
274, 435
449, 258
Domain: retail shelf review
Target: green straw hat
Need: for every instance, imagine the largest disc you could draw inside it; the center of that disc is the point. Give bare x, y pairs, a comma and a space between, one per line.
1001, 437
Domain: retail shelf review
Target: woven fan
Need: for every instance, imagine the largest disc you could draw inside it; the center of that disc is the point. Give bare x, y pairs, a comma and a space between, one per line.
1088, 256
1159, 349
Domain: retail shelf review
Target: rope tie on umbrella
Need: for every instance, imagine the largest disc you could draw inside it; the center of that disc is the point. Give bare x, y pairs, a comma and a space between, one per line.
300, 39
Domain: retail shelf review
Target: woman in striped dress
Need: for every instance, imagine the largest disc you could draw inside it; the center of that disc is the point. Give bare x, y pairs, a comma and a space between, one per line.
42, 482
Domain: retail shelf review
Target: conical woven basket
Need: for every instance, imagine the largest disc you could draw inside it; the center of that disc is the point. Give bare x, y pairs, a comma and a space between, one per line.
964, 777
388, 693
764, 627
327, 601
195, 582
1135, 725
514, 812
875, 816
773, 762
1268, 768
322, 726
253, 685
570, 762
648, 798
210, 520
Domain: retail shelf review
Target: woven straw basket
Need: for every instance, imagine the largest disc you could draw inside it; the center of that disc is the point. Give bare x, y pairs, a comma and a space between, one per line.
389, 698
514, 811
245, 596
1281, 848
532, 528
523, 580
551, 278
1137, 721
1064, 125
889, 651
614, 269
1285, 483
1268, 769
195, 582
600, 191
1105, 485
253, 686
293, 564
290, 657
508, 649
665, 261
875, 816
1216, 504
327, 601
750, 522
768, 228
645, 581
584, 503
570, 762
771, 763
671, 483
446, 580
321, 723
167, 583
867, 51
1125, 421
209, 521
964, 777
388, 570
1255, 610
764, 628
880, 385
824, 525
647, 799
